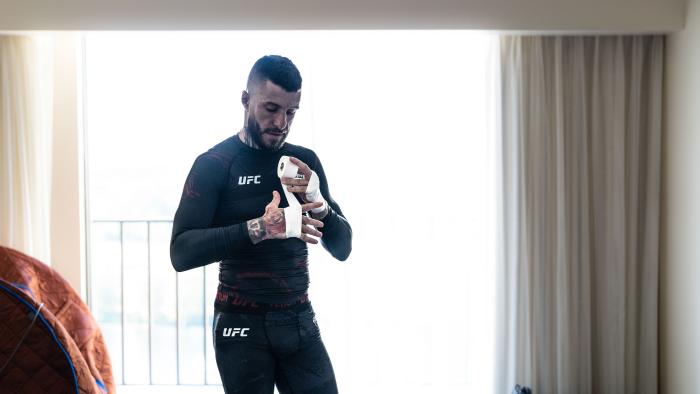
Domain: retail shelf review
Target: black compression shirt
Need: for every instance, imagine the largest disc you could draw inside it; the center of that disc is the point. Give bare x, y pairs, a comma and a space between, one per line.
229, 185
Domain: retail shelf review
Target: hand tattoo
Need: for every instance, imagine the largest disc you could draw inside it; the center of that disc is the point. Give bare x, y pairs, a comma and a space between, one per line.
270, 225
274, 222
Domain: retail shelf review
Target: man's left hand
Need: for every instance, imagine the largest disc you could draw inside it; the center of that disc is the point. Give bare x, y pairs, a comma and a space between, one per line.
299, 186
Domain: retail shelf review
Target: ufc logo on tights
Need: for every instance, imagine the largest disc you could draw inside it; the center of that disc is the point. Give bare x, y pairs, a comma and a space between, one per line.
231, 332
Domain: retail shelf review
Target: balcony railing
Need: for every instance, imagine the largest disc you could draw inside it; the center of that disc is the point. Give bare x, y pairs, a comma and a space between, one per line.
157, 322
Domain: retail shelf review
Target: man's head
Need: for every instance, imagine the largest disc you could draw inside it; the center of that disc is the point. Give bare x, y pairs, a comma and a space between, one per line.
271, 100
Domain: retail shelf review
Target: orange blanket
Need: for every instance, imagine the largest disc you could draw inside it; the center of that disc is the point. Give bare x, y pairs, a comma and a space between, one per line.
64, 319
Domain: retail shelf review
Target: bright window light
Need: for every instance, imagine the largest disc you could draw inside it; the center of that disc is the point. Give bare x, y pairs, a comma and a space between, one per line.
400, 122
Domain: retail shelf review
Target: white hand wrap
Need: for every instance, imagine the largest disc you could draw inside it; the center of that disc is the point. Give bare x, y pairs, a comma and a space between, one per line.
292, 214
313, 193
292, 218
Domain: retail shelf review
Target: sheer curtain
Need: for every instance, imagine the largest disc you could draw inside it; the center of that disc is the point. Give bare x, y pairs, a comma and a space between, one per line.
580, 146
401, 126
25, 144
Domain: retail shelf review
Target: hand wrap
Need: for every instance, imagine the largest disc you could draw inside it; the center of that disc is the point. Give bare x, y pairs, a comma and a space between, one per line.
292, 213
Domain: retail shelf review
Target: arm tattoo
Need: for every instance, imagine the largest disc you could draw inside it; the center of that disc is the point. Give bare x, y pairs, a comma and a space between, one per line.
256, 230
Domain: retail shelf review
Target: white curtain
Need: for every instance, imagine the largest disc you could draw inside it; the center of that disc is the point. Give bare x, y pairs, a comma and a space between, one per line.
580, 141
25, 144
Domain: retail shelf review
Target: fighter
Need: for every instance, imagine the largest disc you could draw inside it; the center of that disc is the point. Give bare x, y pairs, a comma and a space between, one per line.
265, 330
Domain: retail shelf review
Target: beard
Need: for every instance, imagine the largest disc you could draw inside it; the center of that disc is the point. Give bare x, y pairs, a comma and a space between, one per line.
257, 135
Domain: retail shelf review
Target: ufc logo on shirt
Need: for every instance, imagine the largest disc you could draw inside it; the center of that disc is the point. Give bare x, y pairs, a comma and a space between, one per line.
246, 180
231, 332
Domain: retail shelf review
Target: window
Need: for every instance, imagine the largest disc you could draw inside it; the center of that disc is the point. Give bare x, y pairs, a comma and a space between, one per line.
400, 122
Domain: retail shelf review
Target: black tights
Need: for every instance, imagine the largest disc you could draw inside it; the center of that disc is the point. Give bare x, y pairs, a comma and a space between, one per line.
256, 351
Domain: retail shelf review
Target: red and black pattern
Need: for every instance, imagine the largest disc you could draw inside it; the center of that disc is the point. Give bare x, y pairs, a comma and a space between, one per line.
227, 186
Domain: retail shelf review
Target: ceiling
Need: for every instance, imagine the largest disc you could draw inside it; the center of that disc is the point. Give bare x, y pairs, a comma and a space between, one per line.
623, 16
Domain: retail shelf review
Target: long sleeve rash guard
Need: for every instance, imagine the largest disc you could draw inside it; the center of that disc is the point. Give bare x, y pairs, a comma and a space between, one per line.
227, 186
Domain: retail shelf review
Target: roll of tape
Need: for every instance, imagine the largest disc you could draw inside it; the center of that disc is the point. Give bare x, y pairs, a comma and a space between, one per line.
285, 168
292, 214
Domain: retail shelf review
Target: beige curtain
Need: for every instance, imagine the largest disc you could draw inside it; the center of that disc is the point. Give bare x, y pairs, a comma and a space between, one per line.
25, 144
580, 140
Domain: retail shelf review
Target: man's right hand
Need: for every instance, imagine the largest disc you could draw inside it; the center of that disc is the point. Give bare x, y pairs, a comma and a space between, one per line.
272, 224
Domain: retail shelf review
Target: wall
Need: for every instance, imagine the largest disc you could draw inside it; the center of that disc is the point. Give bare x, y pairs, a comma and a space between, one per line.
566, 15
679, 300
67, 201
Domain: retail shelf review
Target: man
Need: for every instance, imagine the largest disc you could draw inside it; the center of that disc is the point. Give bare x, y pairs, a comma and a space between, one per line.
265, 331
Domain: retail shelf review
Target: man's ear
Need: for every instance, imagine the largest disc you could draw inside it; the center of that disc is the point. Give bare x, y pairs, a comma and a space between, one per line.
245, 99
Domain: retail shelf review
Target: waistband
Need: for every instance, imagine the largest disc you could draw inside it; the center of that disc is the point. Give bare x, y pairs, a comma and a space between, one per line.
229, 301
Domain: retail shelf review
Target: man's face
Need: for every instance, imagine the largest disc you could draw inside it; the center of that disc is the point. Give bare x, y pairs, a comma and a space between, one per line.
270, 111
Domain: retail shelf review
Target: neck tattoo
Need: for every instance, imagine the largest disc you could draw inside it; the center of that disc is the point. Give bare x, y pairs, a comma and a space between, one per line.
248, 140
